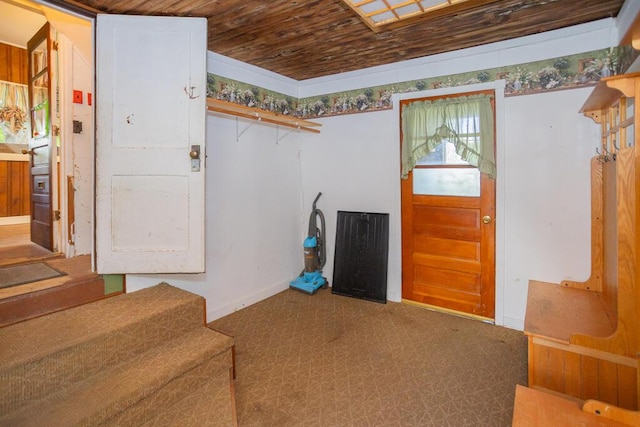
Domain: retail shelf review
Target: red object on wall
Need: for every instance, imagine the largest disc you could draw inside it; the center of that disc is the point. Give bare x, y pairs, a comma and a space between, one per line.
89, 98
77, 97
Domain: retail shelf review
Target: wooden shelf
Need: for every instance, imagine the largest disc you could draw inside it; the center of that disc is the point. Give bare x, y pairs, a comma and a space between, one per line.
607, 92
237, 110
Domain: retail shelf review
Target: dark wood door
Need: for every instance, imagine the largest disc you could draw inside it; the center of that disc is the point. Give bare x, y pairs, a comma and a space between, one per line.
40, 144
448, 235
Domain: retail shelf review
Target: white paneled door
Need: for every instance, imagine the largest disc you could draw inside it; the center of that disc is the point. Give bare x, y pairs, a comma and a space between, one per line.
151, 109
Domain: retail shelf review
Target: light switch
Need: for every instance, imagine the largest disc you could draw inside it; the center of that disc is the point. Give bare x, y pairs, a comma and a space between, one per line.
77, 97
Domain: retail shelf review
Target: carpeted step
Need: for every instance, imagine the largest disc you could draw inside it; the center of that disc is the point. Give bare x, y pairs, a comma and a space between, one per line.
211, 405
46, 354
145, 384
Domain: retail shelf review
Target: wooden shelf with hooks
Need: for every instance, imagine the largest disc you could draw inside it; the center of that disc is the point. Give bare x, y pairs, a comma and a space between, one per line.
584, 337
607, 92
237, 110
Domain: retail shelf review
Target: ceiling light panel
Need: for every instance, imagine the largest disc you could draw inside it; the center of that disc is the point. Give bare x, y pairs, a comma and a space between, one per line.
378, 13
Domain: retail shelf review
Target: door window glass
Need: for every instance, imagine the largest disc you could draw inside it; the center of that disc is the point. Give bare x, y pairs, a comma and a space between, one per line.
40, 91
442, 172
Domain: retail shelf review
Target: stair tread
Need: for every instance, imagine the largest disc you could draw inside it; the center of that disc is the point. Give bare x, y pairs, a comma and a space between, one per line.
28, 341
209, 405
100, 396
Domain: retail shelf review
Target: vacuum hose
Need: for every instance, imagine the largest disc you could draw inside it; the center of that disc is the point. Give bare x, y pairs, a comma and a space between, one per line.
321, 254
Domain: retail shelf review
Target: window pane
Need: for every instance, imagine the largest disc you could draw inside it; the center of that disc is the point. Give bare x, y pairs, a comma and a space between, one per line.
447, 182
39, 58
40, 112
443, 154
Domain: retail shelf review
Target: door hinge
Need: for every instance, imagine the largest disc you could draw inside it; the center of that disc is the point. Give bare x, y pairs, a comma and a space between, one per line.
56, 215
55, 130
54, 45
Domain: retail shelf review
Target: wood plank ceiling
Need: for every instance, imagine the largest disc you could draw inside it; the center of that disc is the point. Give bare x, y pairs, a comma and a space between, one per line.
304, 39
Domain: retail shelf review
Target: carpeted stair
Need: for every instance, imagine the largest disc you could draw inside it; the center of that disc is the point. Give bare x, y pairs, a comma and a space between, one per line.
143, 359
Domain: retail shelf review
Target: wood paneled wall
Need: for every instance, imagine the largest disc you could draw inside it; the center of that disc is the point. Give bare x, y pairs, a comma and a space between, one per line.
14, 175
14, 188
13, 64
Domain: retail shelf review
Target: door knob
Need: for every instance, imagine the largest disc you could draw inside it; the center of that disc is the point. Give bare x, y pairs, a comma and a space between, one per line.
486, 219
195, 158
30, 152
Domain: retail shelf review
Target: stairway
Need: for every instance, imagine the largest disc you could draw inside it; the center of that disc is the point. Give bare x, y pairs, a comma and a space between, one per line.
143, 359
79, 285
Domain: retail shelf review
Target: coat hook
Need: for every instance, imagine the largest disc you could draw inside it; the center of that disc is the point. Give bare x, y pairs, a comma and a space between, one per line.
615, 146
602, 157
190, 92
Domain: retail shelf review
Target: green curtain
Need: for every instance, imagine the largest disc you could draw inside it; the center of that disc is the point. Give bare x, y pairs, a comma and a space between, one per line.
425, 124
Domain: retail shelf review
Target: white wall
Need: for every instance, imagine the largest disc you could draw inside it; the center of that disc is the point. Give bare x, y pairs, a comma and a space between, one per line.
76, 73
543, 192
253, 247
356, 167
259, 192
543, 196
253, 206
82, 151
548, 147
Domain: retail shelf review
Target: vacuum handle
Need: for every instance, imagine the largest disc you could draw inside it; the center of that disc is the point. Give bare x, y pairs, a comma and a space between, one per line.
316, 199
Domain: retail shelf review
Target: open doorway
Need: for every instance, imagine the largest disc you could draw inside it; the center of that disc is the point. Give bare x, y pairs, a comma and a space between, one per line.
69, 71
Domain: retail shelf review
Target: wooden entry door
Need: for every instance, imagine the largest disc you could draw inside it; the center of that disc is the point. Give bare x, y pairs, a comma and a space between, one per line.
40, 143
448, 235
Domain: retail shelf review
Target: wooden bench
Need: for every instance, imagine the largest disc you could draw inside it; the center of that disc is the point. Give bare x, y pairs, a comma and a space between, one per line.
584, 337
535, 408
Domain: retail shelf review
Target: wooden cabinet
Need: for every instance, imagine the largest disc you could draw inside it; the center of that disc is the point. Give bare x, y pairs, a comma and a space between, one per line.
584, 337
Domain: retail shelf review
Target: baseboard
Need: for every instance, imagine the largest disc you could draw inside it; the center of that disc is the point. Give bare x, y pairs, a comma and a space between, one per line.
513, 323
214, 313
12, 220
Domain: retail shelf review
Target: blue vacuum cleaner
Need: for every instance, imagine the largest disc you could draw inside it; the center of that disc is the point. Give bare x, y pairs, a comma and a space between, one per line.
310, 279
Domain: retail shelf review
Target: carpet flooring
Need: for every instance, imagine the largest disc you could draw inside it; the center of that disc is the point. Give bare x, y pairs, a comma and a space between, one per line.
329, 360
26, 273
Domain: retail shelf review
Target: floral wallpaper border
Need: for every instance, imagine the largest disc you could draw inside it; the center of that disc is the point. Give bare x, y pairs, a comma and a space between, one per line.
566, 72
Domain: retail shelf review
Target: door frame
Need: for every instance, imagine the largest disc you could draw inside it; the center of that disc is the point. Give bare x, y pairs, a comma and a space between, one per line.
500, 271
57, 14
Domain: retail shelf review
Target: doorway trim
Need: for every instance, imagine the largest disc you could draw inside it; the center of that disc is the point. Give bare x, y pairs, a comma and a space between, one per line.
67, 38
498, 86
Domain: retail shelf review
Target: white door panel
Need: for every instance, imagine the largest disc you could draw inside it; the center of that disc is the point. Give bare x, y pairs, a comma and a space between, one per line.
151, 78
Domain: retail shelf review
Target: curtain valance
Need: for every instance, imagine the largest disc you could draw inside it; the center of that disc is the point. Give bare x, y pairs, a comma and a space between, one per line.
466, 121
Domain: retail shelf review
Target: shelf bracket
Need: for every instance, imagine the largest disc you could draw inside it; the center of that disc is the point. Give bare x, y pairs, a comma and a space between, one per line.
238, 132
280, 138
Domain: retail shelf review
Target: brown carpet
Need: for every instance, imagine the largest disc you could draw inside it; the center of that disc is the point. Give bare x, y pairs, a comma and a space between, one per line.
138, 359
328, 360
26, 273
